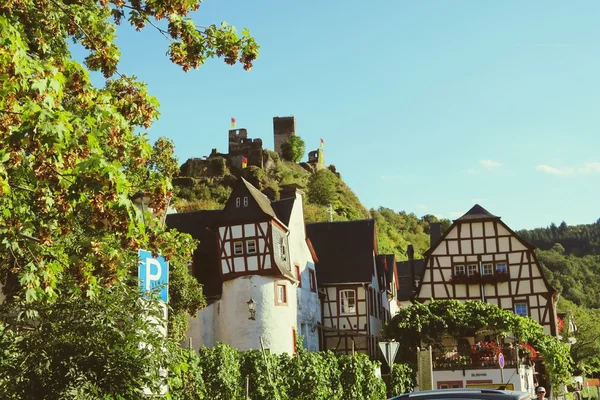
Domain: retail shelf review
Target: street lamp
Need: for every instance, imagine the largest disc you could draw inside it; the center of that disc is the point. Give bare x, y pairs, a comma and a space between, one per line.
252, 308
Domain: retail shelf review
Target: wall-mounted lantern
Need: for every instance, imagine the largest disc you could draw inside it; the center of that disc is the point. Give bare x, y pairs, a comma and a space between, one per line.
252, 308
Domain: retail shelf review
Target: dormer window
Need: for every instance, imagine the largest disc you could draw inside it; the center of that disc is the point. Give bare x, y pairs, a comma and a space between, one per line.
282, 249
245, 201
237, 202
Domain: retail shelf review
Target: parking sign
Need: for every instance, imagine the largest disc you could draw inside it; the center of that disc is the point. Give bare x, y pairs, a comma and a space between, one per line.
153, 272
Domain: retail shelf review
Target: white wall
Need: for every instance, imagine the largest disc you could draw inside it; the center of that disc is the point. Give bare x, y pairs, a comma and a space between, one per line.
273, 323
523, 379
309, 305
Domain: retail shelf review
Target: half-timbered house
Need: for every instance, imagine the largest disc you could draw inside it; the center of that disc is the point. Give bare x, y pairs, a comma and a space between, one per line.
480, 258
253, 252
353, 306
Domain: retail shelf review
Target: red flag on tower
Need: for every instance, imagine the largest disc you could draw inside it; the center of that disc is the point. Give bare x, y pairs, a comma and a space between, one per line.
322, 143
232, 123
244, 162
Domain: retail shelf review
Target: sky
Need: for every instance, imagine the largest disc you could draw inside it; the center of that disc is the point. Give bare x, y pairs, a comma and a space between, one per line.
424, 106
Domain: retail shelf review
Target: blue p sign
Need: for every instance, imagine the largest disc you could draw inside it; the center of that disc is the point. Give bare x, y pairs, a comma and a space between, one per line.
153, 272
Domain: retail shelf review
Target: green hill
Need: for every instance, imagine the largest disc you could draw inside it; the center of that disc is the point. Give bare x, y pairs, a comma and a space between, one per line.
206, 184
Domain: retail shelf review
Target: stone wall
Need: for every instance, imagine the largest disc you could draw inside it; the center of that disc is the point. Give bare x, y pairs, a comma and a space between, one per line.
283, 129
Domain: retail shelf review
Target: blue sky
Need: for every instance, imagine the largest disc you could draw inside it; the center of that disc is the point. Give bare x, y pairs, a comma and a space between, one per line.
424, 106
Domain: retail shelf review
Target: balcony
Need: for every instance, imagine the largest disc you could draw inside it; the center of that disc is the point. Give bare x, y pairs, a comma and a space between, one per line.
480, 356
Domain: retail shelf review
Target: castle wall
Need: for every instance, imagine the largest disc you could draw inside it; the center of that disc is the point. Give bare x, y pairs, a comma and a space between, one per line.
240, 145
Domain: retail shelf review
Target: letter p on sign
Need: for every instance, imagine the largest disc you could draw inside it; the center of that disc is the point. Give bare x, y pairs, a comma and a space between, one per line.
153, 272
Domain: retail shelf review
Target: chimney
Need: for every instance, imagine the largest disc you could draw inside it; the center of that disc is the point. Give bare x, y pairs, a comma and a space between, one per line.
410, 251
435, 233
289, 191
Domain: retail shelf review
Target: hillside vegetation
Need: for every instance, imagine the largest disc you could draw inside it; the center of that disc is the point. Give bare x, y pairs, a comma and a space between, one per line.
206, 185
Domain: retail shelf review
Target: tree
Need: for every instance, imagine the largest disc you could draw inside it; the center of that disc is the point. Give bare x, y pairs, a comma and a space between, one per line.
293, 149
70, 158
322, 187
82, 347
586, 350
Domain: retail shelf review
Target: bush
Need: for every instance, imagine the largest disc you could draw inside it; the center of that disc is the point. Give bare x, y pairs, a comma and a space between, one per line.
221, 372
402, 379
293, 149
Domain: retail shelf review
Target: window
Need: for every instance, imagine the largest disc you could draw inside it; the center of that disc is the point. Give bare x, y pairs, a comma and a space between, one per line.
237, 202
251, 246
347, 302
521, 309
313, 280
472, 269
297, 268
501, 268
488, 269
280, 294
459, 270
238, 248
245, 201
282, 249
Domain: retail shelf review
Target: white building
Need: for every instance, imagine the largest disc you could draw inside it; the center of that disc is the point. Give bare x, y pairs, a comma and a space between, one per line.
254, 252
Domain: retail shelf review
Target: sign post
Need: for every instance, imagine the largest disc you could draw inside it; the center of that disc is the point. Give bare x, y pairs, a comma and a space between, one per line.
153, 272
389, 350
501, 364
425, 368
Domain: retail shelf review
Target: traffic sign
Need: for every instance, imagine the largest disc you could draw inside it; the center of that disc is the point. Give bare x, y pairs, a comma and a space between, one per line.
501, 360
153, 272
389, 350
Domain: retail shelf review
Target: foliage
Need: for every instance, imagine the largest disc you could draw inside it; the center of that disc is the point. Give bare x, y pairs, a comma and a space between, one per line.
322, 187
221, 371
403, 379
293, 149
312, 376
422, 324
577, 278
586, 350
579, 240
185, 375
81, 347
70, 158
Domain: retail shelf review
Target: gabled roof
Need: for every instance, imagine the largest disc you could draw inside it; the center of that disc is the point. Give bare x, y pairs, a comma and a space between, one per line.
206, 263
345, 250
388, 264
259, 206
405, 289
477, 213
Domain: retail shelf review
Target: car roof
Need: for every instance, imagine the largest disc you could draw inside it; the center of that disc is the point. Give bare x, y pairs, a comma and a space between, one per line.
468, 393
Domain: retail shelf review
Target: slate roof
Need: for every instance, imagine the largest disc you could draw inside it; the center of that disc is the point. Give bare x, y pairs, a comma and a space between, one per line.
405, 290
345, 250
261, 199
477, 213
283, 209
205, 264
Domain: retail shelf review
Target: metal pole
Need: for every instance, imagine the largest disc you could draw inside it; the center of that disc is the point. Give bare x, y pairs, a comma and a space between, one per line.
247, 387
190, 342
262, 348
352, 347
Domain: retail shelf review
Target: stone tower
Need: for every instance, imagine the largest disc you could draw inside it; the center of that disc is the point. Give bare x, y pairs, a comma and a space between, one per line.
283, 129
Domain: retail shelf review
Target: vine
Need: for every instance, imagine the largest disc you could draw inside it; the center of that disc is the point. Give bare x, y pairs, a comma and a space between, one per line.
423, 324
